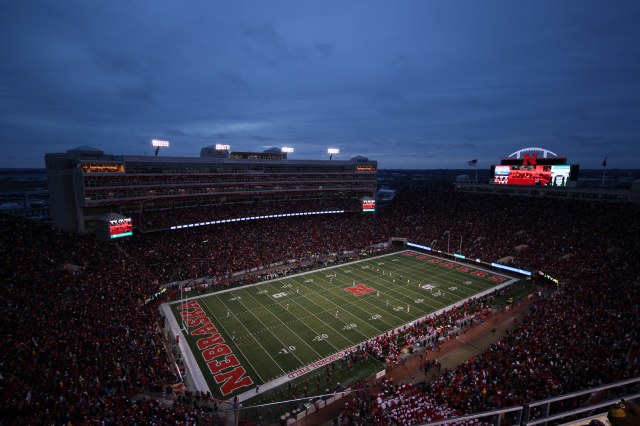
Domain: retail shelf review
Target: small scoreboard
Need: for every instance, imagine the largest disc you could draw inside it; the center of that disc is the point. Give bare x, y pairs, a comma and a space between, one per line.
120, 228
113, 226
368, 205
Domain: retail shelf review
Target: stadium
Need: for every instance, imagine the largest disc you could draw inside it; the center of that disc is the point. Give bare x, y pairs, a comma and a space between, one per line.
249, 288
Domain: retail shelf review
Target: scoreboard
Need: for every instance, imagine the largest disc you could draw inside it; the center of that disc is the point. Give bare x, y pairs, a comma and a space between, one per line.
532, 170
120, 228
368, 205
543, 175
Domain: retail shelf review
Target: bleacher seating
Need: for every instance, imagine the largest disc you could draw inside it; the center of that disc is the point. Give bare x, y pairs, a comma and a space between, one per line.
79, 340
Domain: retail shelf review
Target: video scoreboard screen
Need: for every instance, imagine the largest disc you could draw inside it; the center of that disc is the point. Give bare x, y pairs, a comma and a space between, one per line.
540, 175
120, 228
368, 205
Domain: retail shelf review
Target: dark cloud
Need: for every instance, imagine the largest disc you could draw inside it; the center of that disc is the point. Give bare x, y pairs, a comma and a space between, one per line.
264, 43
114, 62
413, 84
262, 138
324, 49
233, 78
173, 132
137, 94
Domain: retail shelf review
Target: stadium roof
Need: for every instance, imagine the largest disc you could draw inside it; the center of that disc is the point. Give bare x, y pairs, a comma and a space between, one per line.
85, 149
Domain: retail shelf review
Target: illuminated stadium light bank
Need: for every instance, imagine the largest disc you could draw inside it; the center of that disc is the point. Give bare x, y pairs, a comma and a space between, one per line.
286, 149
509, 268
241, 219
221, 147
332, 151
419, 246
159, 144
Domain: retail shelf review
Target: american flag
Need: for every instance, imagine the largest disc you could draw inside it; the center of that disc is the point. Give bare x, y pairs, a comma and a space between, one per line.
473, 162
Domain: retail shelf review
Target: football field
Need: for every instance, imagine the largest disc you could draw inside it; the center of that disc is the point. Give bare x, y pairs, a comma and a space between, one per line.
268, 333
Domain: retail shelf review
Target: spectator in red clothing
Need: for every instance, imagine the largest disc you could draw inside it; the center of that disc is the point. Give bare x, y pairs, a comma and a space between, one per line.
78, 338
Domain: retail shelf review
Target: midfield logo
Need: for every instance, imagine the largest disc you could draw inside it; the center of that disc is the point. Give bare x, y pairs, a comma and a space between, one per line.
359, 290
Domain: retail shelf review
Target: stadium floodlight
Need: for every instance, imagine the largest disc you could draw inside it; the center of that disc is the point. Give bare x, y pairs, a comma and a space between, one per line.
221, 147
332, 151
159, 144
286, 149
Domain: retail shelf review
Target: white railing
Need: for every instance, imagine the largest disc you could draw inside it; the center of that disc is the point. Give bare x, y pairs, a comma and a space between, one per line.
527, 415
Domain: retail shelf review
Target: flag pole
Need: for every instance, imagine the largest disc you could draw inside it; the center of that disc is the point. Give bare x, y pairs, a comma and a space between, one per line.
604, 169
474, 164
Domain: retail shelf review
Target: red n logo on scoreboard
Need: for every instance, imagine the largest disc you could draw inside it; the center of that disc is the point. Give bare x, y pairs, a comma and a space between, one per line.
530, 159
359, 290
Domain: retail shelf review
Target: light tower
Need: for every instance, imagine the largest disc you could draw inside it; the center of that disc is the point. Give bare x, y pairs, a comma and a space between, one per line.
159, 144
332, 151
286, 150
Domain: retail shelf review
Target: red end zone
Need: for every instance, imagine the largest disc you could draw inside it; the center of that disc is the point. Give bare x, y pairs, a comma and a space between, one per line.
222, 363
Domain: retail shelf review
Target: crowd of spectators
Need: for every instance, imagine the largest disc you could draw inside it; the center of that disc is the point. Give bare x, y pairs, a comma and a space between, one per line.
221, 250
428, 332
582, 335
79, 340
77, 337
534, 232
396, 404
166, 218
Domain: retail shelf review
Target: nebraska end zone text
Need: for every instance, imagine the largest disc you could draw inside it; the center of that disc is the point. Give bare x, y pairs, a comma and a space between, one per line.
222, 363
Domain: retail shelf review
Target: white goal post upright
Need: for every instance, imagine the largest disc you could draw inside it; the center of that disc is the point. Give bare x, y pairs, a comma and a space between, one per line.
183, 300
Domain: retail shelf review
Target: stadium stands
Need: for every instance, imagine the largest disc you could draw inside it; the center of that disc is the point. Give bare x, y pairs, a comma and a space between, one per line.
78, 338
79, 341
164, 219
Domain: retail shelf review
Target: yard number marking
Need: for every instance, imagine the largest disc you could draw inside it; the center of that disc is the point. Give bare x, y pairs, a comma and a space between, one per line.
287, 350
320, 337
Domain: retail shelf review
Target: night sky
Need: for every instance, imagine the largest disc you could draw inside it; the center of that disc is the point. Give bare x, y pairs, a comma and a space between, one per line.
412, 84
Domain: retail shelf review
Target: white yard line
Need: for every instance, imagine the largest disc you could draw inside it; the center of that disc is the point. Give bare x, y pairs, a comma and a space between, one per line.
197, 373
267, 328
238, 346
293, 332
314, 315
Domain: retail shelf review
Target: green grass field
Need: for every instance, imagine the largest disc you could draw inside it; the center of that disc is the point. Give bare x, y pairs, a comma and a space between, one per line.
268, 333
